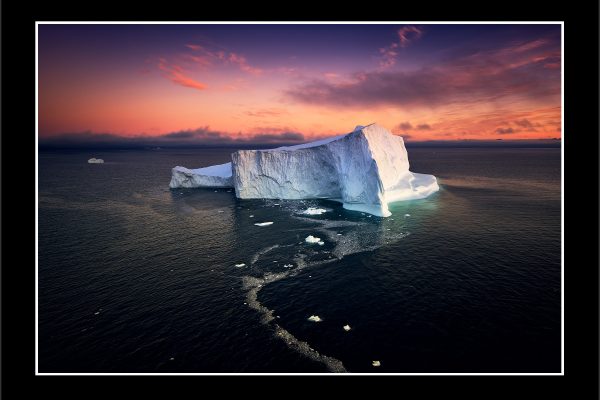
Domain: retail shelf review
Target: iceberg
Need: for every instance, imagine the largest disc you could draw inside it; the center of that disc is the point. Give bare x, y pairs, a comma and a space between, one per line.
365, 170
94, 160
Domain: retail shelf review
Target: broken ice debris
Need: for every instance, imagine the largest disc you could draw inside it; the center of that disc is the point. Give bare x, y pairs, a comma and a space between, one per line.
314, 211
312, 239
263, 223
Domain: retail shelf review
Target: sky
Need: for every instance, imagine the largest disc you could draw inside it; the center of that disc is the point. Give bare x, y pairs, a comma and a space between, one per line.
244, 84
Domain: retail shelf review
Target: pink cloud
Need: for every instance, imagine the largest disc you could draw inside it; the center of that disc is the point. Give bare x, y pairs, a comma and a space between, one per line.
205, 58
202, 61
194, 47
241, 61
176, 75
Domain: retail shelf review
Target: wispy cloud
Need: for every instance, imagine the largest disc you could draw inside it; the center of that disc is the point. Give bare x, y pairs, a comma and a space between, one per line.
176, 75
506, 131
242, 63
525, 123
206, 57
266, 112
405, 126
406, 35
193, 46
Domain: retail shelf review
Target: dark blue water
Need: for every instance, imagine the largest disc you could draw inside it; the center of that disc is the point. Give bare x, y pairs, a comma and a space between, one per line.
134, 277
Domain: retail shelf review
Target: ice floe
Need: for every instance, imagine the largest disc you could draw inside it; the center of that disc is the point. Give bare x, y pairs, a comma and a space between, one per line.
263, 223
312, 239
314, 211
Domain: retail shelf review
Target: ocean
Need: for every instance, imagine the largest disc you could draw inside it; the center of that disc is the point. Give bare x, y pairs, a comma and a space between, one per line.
135, 277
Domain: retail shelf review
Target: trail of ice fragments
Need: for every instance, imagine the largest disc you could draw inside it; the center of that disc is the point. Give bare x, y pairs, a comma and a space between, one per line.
357, 237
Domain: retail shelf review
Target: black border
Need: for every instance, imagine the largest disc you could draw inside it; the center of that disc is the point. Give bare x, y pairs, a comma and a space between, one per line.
581, 229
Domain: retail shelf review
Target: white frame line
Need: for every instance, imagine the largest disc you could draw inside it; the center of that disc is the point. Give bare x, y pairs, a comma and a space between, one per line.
562, 160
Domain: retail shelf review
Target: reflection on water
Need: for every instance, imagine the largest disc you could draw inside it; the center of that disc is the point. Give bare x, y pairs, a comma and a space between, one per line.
137, 277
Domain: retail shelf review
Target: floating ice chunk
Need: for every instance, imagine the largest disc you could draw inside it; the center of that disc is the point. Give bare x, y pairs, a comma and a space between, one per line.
376, 363
240, 265
252, 216
312, 239
288, 265
339, 234
172, 358
95, 161
407, 215
315, 318
314, 211
221, 211
347, 328
321, 243
263, 223
276, 204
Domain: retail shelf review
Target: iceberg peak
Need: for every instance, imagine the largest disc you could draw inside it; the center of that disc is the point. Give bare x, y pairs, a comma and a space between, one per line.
365, 169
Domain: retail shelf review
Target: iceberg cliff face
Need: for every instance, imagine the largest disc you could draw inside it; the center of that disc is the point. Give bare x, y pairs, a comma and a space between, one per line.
213, 176
365, 170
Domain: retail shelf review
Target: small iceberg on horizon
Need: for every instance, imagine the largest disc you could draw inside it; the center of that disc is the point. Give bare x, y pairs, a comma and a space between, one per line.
315, 318
95, 161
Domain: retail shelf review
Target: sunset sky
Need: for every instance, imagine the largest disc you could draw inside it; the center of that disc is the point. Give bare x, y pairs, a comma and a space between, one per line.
223, 84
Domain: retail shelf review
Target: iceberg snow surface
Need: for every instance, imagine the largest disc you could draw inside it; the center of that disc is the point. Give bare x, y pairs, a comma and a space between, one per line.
365, 170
